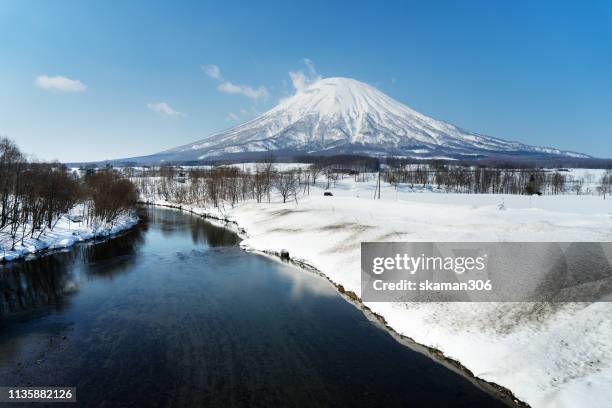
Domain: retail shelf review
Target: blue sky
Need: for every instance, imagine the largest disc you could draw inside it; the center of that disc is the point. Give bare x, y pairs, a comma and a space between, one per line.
83, 80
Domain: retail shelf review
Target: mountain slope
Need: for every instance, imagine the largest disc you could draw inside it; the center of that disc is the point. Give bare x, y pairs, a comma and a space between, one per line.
342, 115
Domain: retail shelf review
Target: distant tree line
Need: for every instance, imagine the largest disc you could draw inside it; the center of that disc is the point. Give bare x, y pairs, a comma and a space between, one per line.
493, 180
370, 164
343, 161
35, 196
228, 185
509, 162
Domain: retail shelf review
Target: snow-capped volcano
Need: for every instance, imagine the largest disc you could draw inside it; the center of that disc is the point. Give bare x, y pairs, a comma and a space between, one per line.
342, 115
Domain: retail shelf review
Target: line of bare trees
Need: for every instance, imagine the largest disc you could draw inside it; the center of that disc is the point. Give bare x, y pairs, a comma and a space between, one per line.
227, 186
220, 186
35, 196
482, 180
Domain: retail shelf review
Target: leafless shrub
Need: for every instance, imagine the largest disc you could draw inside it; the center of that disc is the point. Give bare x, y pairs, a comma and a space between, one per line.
110, 196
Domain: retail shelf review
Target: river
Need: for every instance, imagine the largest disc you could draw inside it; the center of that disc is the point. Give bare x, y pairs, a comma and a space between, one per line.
174, 313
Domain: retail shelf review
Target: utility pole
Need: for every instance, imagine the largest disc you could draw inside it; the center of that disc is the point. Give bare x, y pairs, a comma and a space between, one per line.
377, 185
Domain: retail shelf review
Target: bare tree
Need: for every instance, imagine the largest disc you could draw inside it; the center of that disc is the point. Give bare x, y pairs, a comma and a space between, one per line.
11, 165
286, 184
605, 184
577, 186
314, 170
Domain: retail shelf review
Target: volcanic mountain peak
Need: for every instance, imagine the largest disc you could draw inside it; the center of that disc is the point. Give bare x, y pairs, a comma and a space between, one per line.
343, 115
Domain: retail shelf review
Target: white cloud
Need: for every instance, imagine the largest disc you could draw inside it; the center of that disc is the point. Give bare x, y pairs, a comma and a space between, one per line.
246, 90
298, 79
212, 71
242, 114
310, 65
232, 117
251, 111
301, 80
164, 109
60, 83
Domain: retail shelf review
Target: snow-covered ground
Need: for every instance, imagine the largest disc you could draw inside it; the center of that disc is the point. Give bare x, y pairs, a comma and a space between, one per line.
548, 355
65, 234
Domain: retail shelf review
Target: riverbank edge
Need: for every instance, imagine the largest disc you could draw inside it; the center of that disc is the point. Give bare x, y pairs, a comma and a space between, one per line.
502, 393
126, 224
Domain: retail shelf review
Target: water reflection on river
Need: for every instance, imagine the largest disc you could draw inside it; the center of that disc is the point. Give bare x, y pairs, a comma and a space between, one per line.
173, 313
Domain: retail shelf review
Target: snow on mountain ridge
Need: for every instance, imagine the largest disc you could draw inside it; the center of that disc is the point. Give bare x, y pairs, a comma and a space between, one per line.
347, 116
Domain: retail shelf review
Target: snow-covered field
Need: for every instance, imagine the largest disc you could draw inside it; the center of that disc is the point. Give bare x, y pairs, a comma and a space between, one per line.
65, 234
548, 355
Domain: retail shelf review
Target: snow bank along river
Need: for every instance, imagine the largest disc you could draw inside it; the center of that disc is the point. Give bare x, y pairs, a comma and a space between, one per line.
174, 313
65, 234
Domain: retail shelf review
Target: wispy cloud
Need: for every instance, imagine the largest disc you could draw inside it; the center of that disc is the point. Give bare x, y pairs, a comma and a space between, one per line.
301, 79
232, 117
242, 115
164, 109
311, 67
246, 90
60, 83
251, 111
212, 71
229, 87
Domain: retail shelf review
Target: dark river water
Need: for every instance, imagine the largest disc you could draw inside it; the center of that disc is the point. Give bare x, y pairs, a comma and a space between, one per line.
174, 314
